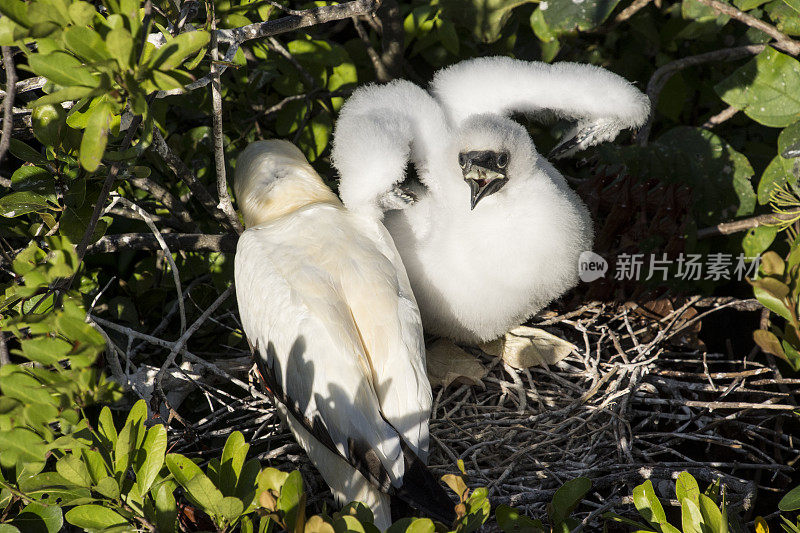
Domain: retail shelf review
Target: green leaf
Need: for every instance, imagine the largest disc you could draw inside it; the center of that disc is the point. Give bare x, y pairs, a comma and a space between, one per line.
246, 486
106, 428
271, 479
95, 136
768, 299
421, 525
567, 497
646, 502
290, 498
86, 43
567, 16
21, 203
511, 521
25, 388
62, 69
691, 518
38, 518
758, 239
448, 35
712, 517
230, 508
155, 447
765, 89
63, 95
780, 171
686, 487
485, 18
233, 456
45, 350
94, 517
11, 33
72, 468
172, 54
166, 509
82, 13
789, 141
54, 489
17, 11
19, 446
108, 487
27, 153
120, 46
182, 468
48, 122
718, 175
790, 501
202, 492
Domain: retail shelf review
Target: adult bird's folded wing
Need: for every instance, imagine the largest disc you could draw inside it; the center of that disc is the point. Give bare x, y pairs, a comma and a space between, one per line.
311, 351
601, 102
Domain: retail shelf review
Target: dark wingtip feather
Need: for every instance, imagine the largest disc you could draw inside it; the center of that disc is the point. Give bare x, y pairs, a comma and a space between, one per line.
422, 491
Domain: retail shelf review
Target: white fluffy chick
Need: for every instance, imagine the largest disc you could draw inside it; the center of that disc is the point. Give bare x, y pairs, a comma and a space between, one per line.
494, 233
328, 311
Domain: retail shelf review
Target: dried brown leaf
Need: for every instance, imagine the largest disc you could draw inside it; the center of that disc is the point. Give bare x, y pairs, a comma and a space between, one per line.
447, 363
524, 347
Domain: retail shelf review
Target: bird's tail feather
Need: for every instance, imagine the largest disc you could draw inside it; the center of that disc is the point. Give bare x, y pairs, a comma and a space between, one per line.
422, 491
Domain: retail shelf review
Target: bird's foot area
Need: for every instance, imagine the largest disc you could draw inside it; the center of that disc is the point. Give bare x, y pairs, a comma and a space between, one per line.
396, 198
584, 135
524, 347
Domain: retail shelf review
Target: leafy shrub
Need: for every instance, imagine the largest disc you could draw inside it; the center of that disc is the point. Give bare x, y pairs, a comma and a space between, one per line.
700, 512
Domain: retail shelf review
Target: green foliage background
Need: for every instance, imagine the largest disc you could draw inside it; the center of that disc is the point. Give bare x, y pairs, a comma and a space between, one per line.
114, 120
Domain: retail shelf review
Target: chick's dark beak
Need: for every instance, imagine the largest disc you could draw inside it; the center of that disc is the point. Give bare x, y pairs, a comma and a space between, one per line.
484, 172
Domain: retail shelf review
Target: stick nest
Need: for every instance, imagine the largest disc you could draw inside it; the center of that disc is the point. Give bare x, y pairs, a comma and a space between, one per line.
640, 399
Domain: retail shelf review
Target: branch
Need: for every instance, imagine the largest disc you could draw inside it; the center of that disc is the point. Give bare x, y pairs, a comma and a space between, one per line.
183, 173
8, 107
719, 118
224, 204
736, 226
301, 19
393, 37
108, 184
176, 276
186, 242
310, 17
381, 72
662, 75
784, 42
28, 84
174, 206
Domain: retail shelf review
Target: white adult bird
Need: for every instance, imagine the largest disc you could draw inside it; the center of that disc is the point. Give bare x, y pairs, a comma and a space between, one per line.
328, 311
494, 233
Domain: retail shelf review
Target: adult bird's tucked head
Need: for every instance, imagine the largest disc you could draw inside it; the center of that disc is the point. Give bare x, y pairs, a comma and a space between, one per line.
273, 178
492, 152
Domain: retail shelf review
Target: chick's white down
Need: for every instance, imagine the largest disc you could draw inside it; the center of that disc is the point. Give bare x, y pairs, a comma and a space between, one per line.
326, 305
476, 273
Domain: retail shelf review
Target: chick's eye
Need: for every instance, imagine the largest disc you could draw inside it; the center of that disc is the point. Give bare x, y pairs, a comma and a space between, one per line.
462, 160
502, 160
